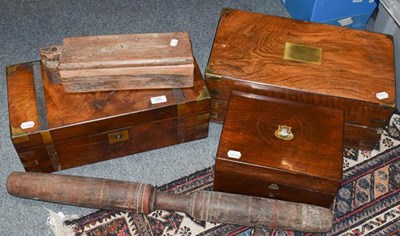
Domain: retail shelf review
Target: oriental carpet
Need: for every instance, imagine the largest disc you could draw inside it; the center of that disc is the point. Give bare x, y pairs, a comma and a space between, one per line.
368, 202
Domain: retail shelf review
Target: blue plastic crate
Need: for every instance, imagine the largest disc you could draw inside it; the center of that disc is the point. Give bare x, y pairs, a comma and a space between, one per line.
348, 13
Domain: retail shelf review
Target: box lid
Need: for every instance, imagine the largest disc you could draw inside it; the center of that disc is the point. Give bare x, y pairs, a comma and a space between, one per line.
304, 56
81, 114
126, 50
285, 136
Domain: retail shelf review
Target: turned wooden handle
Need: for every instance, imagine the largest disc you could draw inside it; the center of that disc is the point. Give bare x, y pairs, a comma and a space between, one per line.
142, 198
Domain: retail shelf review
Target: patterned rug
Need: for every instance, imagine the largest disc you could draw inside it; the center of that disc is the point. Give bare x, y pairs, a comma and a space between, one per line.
366, 204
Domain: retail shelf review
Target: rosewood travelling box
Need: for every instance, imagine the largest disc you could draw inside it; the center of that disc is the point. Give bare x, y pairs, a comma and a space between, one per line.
282, 149
119, 62
312, 63
54, 130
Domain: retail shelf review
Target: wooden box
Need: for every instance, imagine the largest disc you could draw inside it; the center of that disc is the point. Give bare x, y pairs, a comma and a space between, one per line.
313, 63
282, 149
118, 62
52, 130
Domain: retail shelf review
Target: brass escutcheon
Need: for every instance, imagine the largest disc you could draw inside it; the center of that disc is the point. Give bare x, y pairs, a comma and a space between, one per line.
273, 186
284, 132
118, 136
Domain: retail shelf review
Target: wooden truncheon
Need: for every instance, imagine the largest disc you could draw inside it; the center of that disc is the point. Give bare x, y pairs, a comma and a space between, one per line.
120, 62
54, 130
142, 198
313, 63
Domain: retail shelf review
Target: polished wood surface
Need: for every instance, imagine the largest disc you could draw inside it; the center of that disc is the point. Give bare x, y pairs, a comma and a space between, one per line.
240, 178
311, 161
95, 148
355, 64
355, 136
248, 55
78, 124
356, 112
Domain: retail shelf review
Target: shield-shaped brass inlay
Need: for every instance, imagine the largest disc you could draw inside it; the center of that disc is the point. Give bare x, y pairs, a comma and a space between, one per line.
284, 132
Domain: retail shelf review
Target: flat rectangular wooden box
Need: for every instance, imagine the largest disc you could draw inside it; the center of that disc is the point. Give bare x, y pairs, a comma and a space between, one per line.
52, 130
120, 62
257, 157
331, 66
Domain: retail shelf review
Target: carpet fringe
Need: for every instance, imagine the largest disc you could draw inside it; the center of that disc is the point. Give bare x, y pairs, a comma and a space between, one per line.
56, 223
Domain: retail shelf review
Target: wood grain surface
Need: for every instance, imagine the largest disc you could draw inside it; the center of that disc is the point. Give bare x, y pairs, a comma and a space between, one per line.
135, 197
121, 62
355, 64
79, 123
248, 55
311, 161
125, 50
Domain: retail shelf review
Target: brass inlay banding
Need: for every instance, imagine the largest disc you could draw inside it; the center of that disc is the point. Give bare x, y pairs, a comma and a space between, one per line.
203, 94
211, 75
46, 136
204, 116
20, 138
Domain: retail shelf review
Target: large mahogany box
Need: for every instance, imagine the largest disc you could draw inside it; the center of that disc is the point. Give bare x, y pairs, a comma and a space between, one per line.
281, 149
52, 130
313, 63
